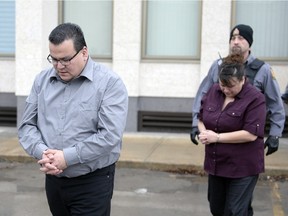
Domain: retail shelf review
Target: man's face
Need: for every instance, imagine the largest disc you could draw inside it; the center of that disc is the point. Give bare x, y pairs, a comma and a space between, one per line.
238, 44
62, 53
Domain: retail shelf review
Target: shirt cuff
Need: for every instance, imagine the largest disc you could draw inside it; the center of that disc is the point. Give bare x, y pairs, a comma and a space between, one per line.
71, 156
275, 132
41, 147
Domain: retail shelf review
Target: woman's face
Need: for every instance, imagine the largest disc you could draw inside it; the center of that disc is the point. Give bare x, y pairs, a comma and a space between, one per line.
233, 89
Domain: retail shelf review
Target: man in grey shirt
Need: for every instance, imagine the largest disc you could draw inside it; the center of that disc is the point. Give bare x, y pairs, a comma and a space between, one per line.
259, 74
73, 125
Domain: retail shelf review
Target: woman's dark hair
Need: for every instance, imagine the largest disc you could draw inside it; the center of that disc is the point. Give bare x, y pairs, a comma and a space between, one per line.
232, 66
68, 31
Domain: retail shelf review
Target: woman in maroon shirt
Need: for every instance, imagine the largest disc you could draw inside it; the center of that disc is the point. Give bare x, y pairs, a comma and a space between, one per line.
231, 123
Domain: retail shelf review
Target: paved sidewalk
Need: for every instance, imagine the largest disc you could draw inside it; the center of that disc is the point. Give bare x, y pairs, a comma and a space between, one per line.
160, 151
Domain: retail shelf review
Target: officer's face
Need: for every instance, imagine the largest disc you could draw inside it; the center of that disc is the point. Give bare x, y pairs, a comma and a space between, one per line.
238, 44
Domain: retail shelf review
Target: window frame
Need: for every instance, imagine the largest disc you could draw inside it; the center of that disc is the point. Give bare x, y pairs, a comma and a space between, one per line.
13, 54
264, 58
98, 57
158, 58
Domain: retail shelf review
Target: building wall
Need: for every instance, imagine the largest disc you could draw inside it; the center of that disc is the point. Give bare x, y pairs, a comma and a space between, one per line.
152, 85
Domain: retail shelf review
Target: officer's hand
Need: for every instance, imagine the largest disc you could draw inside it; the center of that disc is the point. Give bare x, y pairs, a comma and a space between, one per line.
285, 98
272, 143
193, 135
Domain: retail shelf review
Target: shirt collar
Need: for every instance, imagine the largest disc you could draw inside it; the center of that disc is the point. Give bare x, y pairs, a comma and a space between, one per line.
241, 94
87, 72
249, 59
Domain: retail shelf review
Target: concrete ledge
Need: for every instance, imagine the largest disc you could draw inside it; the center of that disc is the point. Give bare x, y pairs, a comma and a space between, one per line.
157, 151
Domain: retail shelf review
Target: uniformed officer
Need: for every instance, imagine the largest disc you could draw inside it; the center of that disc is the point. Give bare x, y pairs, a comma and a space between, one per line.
259, 74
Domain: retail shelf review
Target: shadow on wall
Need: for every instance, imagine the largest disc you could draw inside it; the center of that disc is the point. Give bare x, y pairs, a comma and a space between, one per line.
8, 116
173, 122
148, 121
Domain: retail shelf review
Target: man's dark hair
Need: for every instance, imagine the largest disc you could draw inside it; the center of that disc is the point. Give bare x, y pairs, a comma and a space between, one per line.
68, 31
232, 66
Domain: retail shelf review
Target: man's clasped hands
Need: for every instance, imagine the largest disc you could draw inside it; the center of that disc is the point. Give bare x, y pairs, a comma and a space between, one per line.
52, 162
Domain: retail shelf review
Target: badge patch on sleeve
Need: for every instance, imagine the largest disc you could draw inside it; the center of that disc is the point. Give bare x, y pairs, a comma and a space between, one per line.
272, 73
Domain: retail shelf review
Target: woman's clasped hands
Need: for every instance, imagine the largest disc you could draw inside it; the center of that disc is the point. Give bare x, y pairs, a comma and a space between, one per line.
207, 137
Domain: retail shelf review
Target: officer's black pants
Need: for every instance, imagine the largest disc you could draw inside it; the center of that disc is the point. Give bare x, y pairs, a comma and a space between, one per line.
87, 195
231, 196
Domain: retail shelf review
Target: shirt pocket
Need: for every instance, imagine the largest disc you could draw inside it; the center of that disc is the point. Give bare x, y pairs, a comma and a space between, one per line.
210, 108
234, 113
87, 113
210, 114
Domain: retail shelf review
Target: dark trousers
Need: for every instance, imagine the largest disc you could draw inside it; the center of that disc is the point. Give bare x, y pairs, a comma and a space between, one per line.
231, 196
87, 195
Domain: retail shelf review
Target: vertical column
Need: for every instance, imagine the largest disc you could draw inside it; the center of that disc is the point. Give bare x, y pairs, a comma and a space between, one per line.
34, 20
216, 21
126, 51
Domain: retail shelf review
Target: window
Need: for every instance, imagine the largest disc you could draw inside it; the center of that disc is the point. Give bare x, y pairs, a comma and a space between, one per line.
95, 19
7, 28
269, 22
171, 29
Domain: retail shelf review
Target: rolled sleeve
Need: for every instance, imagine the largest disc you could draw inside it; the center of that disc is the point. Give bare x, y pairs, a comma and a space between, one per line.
256, 116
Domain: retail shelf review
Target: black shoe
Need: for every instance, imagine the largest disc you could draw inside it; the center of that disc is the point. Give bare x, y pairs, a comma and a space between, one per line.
285, 97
